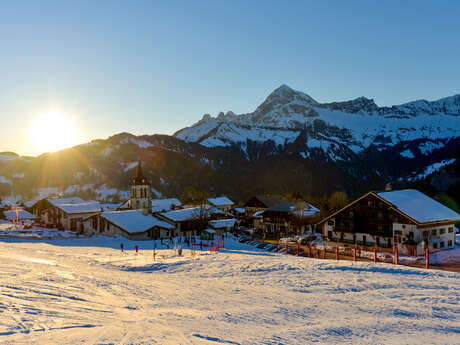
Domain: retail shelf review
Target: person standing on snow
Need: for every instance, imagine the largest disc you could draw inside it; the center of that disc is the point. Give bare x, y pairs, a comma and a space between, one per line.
121, 246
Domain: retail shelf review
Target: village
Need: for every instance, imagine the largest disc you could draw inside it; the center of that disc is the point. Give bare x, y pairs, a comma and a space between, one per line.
397, 226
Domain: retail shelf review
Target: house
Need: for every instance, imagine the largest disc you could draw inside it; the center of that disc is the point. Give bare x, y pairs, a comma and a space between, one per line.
223, 225
222, 203
69, 216
401, 217
65, 213
261, 203
21, 215
190, 221
165, 205
132, 224
288, 218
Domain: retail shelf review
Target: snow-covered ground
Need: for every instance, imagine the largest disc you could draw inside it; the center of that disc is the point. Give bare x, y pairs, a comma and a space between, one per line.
86, 291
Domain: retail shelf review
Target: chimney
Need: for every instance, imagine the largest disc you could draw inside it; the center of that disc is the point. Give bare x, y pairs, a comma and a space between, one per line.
388, 187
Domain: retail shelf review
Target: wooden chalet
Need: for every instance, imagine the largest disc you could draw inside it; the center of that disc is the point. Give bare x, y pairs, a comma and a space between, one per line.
288, 218
132, 224
261, 203
402, 217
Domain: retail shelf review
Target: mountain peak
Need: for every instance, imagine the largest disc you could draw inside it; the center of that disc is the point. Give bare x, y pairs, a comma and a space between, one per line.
286, 94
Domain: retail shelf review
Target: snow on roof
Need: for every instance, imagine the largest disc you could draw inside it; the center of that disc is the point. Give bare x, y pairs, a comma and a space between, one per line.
190, 213
60, 201
295, 208
22, 214
239, 210
110, 207
135, 221
211, 231
87, 207
163, 205
419, 206
220, 201
258, 214
222, 223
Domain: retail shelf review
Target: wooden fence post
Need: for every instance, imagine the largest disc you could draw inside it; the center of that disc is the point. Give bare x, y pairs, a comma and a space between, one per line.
427, 258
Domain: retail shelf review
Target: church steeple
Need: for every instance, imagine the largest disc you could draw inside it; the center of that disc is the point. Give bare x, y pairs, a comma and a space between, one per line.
140, 191
139, 179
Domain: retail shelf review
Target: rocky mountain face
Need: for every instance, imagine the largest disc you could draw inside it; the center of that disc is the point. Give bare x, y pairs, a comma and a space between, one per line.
289, 143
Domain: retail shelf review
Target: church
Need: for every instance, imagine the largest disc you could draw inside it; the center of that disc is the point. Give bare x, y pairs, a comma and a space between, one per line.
134, 219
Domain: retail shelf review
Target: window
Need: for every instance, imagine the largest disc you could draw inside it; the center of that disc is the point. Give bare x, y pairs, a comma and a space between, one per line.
449, 243
380, 215
441, 244
380, 228
442, 231
380, 204
369, 203
426, 234
435, 245
396, 219
411, 235
434, 232
398, 232
451, 229
351, 214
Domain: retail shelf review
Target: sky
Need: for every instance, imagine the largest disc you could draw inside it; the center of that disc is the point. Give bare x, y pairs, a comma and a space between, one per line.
149, 67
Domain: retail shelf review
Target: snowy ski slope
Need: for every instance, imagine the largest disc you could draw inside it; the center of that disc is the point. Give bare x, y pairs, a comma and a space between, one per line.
84, 291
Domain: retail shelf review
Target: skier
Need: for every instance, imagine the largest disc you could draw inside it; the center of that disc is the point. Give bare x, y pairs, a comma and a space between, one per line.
121, 246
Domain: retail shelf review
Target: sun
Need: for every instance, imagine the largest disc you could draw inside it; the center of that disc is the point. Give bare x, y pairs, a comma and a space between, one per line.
53, 131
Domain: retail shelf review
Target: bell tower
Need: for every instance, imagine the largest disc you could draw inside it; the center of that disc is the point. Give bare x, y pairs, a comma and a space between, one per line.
140, 191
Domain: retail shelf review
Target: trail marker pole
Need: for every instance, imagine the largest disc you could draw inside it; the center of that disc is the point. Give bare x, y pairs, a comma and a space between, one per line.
375, 254
337, 253
396, 255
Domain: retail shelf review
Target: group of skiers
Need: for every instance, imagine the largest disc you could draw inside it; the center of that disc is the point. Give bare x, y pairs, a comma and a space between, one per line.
170, 243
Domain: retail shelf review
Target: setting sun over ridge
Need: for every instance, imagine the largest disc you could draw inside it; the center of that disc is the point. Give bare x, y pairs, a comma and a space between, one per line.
53, 131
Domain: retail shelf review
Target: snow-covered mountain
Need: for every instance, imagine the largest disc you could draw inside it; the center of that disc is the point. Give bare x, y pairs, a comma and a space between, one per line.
335, 128
289, 143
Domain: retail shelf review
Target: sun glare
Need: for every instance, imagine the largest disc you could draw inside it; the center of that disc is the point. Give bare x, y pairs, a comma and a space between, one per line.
52, 132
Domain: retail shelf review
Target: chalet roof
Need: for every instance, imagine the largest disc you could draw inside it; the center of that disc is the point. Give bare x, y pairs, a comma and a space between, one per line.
419, 206
220, 201
269, 200
163, 205
190, 213
60, 201
85, 207
22, 214
222, 223
299, 208
133, 221
411, 203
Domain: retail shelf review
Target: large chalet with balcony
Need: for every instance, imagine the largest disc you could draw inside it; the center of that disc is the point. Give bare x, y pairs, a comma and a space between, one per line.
401, 217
